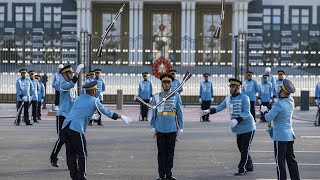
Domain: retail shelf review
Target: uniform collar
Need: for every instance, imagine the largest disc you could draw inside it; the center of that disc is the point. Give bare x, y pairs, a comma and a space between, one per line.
235, 95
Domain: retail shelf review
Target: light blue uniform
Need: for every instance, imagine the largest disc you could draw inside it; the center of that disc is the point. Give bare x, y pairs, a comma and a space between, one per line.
41, 92
281, 115
101, 87
317, 92
67, 96
175, 84
250, 88
265, 92
145, 89
57, 79
206, 91
82, 110
167, 123
277, 88
239, 108
35, 89
23, 88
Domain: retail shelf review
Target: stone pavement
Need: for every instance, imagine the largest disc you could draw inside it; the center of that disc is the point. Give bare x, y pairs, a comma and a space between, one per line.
116, 151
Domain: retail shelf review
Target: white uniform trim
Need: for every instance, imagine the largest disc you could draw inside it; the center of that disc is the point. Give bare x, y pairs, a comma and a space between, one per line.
85, 156
58, 141
277, 154
244, 166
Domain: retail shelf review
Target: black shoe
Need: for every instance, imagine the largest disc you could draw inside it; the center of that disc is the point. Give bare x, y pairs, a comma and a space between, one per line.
39, 118
36, 121
171, 178
29, 124
100, 124
159, 178
54, 164
17, 124
249, 170
239, 174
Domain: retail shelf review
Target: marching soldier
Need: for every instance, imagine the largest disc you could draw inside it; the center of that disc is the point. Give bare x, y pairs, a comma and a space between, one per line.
34, 94
241, 123
92, 75
176, 82
40, 96
57, 78
206, 95
75, 125
282, 132
145, 92
167, 124
271, 78
101, 87
23, 88
265, 94
67, 97
251, 88
277, 86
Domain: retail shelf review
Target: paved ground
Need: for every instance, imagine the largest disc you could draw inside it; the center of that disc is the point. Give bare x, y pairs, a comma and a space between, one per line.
116, 151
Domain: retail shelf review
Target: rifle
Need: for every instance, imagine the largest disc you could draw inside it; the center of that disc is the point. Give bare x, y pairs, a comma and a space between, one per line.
104, 36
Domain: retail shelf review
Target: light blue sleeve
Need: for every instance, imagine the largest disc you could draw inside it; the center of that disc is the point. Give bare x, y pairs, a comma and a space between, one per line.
200, 90
151, 87
259, 93
221, 106
243, 90
211, 90
270, 90
245, 107
179, 112
54, 81
153, 114
18, 89
65, 86
275, 110
103, 110
103, 86
139, 89
256, 86
31, 88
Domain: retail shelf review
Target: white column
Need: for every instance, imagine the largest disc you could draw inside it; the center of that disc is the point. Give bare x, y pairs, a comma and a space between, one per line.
286, 14
245, 17
187, 58
78, 18
183, 30
240, 25
130, 32
192, 34
83, 15
140, 57
89, 16
235, 28
314, 14
135, 34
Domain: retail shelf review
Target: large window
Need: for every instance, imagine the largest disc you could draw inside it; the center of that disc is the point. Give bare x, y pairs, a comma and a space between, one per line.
24, 16
210, 45
272, 19
2, 12
52, 17
162, 32
300, 19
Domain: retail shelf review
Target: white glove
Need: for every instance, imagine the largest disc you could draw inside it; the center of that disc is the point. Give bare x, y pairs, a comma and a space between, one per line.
150, 100
204, 112
259, 101
41, 100
212, 99
180, 131
263, 109
233, 123
126, 119
270, 101
79, 67
275, 100
95, 116
152, 130
24, 98
317, 102
200, 101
